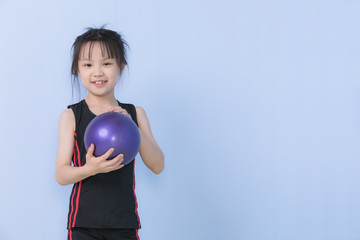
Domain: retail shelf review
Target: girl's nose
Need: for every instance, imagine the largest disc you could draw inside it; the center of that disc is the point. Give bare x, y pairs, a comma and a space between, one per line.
97, 72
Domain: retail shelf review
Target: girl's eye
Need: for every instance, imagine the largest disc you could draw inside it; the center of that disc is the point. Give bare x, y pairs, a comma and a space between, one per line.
107, 64
87, 65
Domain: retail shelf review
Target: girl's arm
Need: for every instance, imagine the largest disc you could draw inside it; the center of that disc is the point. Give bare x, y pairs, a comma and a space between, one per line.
150, 151
65, 172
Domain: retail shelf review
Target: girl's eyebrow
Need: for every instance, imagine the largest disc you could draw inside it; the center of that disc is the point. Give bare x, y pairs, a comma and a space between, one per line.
107, 58
88, 59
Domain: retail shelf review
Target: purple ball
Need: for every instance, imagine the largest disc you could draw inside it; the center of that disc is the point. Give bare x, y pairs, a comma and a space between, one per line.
113, 130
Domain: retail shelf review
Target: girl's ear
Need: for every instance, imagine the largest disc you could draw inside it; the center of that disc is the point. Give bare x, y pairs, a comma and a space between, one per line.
122, 68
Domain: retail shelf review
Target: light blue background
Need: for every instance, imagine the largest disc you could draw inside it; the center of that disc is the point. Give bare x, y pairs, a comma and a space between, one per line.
255, 103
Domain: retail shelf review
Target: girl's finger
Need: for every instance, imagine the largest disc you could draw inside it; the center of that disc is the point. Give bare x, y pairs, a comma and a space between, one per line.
108, 153
120, 110
117, 161
90, 151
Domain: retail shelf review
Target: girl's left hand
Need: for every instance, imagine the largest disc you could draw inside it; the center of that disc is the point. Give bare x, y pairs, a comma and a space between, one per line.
120, 110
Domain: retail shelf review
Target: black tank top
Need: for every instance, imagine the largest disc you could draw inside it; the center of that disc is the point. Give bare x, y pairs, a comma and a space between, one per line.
105, 200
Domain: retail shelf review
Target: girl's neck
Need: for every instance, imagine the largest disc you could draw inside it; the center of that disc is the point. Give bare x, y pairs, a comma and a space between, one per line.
101, 104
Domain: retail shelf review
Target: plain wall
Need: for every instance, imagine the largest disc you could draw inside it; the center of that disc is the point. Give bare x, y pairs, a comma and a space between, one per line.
255, 104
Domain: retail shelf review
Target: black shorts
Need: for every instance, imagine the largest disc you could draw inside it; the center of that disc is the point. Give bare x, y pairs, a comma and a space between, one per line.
102, 234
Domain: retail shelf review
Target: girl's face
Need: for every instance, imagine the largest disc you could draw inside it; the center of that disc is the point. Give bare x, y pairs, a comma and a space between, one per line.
98, 73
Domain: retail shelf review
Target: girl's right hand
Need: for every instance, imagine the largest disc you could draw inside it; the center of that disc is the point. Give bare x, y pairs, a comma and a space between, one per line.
99, 164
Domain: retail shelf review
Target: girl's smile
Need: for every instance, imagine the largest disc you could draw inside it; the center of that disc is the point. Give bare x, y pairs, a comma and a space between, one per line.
99, 83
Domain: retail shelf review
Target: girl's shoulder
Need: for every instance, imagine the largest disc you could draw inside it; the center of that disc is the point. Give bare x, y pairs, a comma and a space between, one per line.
67, 119
141, 116
67, 114
140, 110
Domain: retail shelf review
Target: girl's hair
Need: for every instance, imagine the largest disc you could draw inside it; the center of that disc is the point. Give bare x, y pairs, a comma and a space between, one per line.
112, 43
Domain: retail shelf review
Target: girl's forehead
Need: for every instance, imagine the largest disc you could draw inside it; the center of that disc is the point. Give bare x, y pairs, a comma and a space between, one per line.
88, 49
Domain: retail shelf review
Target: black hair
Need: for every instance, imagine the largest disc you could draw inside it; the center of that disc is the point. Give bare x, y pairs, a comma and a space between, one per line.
111, 42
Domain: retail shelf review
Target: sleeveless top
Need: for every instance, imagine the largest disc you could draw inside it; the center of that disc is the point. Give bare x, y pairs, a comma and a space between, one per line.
105, 200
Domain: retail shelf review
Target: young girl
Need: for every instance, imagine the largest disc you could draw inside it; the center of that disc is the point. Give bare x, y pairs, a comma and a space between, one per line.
102, 202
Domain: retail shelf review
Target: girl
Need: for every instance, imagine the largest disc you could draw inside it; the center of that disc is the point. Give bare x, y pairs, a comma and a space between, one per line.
102, 202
